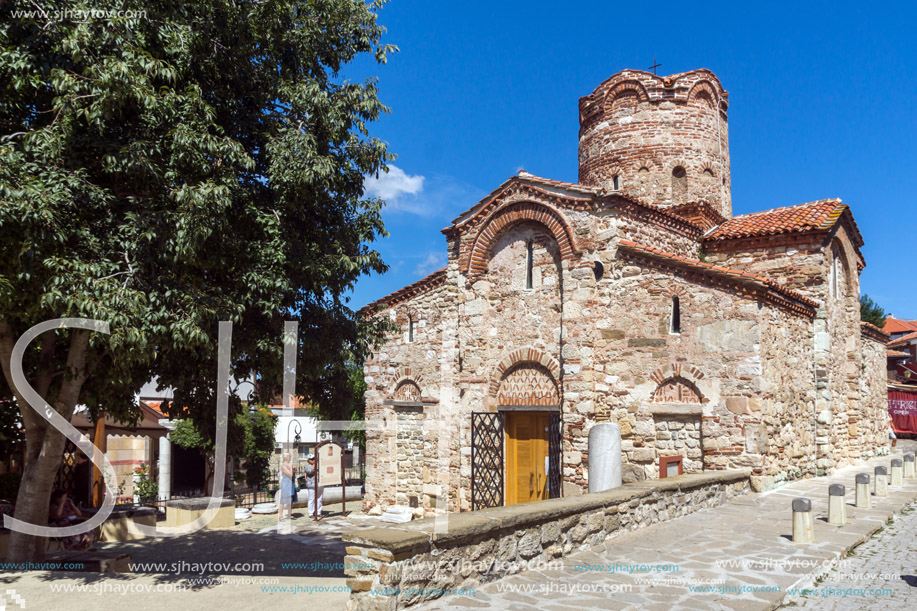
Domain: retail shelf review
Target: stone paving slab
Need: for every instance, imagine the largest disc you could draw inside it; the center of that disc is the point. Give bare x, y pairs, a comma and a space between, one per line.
741, 553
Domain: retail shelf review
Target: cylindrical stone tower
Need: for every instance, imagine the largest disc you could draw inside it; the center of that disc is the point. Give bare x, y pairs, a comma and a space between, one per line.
661, 138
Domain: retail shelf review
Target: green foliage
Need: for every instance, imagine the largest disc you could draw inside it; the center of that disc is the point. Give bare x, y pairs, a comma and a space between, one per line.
147, 490
251, 436
199, 162
358, 405
186, 435
872, 312
258, 426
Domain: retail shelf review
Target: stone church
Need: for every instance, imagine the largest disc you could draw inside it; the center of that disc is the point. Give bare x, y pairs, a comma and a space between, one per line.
635, 297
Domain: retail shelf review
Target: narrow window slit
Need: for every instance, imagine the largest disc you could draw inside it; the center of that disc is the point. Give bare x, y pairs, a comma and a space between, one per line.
676, 315
529, 260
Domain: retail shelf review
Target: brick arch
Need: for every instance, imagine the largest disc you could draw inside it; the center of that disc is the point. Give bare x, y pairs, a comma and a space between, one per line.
519, 357
846, 258
677, 370
704, 87
402, 315
405, 375
678, 390
671, 165
512, 214
625, 88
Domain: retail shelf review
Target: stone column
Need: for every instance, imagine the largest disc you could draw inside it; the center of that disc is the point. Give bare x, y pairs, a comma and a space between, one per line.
165, 462
604, 457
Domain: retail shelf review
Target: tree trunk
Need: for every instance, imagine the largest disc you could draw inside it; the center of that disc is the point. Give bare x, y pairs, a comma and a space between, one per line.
42, 461
44, 443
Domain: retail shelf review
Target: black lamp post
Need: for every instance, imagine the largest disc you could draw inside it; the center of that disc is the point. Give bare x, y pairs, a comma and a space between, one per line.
298, 430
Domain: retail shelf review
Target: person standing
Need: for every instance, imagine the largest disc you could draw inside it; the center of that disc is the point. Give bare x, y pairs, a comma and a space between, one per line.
315, 500
286, 494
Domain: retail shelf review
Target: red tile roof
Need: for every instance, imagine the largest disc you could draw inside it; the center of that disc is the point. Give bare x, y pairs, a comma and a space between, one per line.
437, 278
897, 325
904, 340
804, 218
777, 293
873, 332
896, 354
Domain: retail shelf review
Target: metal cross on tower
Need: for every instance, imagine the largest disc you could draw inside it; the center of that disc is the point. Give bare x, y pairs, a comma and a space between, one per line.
655, 65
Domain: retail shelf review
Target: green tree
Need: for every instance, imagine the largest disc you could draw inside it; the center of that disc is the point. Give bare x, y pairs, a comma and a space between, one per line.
258, 444
872, 312
251, 436
189, 163
357, 414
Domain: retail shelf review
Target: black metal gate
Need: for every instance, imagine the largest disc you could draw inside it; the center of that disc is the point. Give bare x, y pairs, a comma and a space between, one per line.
486, 460
555, 453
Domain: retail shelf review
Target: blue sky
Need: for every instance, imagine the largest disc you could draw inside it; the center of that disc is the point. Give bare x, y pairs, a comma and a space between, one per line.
822, 104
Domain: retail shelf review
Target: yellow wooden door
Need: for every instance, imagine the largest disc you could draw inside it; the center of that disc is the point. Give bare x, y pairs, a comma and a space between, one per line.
526, 451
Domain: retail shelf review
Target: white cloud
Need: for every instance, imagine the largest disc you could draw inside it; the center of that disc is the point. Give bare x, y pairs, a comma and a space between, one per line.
393, 185
433, 262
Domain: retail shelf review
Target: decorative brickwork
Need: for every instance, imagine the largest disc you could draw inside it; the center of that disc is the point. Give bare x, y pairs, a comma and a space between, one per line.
407, 391
644, 129
677, 390
499, 221
528, 384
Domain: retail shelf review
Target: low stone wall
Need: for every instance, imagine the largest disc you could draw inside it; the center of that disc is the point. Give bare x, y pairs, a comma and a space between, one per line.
396, 567
180, 512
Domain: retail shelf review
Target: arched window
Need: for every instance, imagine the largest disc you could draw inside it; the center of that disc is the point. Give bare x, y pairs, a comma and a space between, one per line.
529, 262
676, 315
615, 183
410, 328
598, 270
835, 276
679, 183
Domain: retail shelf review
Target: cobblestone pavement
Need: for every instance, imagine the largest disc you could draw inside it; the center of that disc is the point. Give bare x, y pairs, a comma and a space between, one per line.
737, 556
880, 574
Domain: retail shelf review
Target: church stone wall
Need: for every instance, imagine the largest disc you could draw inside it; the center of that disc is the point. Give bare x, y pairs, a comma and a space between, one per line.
781, 424
399, 456
872, 428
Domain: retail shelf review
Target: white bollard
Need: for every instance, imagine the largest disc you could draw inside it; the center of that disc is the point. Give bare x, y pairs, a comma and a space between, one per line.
909, 471
837, 507
803, 524
881, 485
863, 500
897, 472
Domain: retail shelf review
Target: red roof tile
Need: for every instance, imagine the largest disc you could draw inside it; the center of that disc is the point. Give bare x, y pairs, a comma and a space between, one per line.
896, 354
867, 329
423, 285
805, 305
897, 325
813, 216
904, 340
